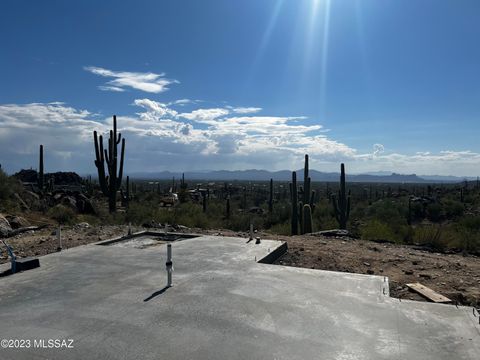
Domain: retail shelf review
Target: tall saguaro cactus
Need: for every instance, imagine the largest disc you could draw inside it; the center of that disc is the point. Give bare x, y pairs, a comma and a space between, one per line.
342, 204
110, 183
293, 194
307, 219
270, 199
41, 175
306, 182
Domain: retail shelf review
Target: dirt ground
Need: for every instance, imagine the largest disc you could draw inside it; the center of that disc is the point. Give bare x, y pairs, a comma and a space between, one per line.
452, 275
42, 242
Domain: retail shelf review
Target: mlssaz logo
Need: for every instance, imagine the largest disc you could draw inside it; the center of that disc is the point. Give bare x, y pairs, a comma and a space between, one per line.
53, 343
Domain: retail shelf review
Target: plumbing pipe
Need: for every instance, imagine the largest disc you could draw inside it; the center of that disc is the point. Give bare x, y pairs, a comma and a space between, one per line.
12, 257
169, 265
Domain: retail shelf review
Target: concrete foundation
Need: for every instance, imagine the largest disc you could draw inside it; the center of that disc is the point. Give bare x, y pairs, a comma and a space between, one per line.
224, 304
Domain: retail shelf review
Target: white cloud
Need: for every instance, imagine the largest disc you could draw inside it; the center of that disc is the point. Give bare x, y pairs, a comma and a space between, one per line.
148, 82
378, 149
246, 110
155, 110
111, 88
159, 138
205, 115
182, 102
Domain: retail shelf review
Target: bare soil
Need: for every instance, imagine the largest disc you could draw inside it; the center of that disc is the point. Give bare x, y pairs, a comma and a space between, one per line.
452, 275
42, 242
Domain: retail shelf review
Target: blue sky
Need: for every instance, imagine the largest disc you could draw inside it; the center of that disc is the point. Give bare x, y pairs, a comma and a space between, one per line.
390, 85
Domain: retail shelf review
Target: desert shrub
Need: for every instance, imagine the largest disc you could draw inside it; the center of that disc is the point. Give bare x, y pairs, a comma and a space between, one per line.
139, 213
191, 215
5, 188
434, 212
453, 208
417, 211
377, 230
386, 211
8, 186
281, 229
323, 216
241, 222
431, 236
62, 214
469, 232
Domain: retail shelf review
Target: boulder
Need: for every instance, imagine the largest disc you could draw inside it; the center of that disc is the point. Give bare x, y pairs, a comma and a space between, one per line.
27, 176
84, 205
332, 233
70, 202
17, 222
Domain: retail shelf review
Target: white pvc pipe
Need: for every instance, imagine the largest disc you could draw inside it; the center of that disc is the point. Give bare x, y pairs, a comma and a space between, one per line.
169, 265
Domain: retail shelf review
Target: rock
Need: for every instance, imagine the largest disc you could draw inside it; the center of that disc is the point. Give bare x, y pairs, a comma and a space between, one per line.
370, 272
5, 227
366, 264
334, 232
64, 178
28, 176
82, 225
17, 222
84, 205
426, 276
408, 272
70, 202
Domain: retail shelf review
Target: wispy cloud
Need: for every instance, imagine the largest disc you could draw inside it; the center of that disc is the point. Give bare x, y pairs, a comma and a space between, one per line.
246, 110
148, 82
111, 88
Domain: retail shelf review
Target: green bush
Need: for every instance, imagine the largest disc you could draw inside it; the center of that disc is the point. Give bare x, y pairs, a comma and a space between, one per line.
431, 236
8, 186
62, 214
469, 230
377, 230
453, 208
434, 212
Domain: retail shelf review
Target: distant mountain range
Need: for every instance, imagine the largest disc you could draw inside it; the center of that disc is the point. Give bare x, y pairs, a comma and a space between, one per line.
286, 175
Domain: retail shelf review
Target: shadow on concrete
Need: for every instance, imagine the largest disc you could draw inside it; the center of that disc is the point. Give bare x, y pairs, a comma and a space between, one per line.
157, 293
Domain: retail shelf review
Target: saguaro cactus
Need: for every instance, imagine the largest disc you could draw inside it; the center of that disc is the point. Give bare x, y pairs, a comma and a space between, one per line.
110, 183
342, 204
126, 196
270, 200
227, 208
306, 182
41, 175
293, 195
308, 193
307, 219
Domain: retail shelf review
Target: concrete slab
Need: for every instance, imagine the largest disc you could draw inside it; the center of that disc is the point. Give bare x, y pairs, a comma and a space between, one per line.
223, 305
